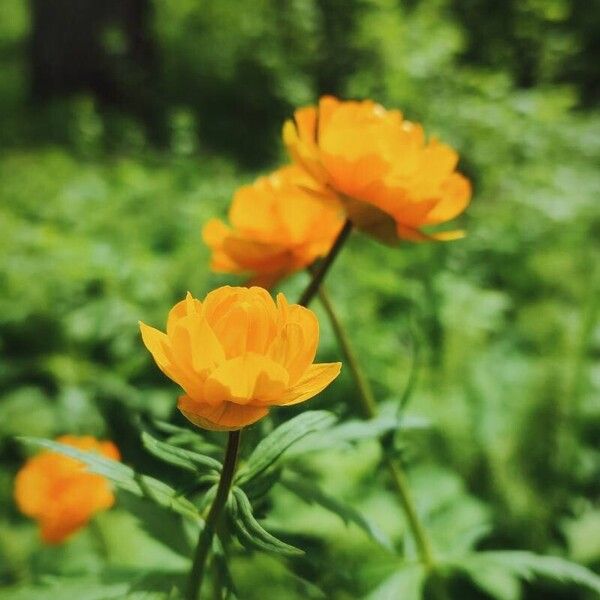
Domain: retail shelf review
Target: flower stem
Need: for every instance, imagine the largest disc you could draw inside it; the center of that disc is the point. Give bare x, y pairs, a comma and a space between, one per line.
369, 410
319, 274
206, 535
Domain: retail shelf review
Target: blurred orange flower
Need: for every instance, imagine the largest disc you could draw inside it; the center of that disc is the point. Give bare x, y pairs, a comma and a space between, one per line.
237, 354
59, 493
280, 224
391, 180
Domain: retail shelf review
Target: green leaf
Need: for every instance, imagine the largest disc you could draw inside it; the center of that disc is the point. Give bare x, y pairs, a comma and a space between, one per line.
496, 581
527, 566
185, 459
406, 584
180, 436
356, 431
259, 486
124, 477
69, 589
249, 530
271, 448
311, 493
223, 579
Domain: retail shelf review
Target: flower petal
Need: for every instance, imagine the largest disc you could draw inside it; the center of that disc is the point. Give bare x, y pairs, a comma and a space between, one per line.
296, 345
227, 416
315, 379
250, 378
189, 305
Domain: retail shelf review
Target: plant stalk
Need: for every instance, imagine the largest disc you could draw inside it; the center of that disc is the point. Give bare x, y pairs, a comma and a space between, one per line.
369, 410
319, 273
208, 531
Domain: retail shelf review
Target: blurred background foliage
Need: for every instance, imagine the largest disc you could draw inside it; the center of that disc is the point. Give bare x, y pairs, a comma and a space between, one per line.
125, 125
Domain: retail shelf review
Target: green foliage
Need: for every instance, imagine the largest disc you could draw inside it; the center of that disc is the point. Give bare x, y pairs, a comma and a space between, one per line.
271, 448
493, 339
185, 459
498, 572
250, 531
311, 493
406, 584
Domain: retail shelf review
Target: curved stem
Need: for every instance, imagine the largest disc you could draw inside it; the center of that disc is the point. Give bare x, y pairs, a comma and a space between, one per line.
208, 531
365, 393
369, 410
320, 272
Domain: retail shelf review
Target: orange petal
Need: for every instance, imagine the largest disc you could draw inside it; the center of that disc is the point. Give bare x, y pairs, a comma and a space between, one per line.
252, 209
214, 233
227, 416
315, 379
414, 235
189, 305
296, 345
177, 367
253, 255
306, 122
245, 379
159, 346
456, 196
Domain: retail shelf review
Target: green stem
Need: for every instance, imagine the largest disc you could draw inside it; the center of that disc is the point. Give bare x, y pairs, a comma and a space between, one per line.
319, 273
208, 531
369, 410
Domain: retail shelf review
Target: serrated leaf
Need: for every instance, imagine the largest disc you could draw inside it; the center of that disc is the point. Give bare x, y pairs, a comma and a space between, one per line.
271, 448
124, 477
406, 584
185, 459
251, 532
311, 493
527, 566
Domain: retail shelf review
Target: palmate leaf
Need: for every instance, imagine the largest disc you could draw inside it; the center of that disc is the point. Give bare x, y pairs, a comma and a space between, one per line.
124, 477
270, 449
524, 565
179, 457
405, 584
308, 491
250, 531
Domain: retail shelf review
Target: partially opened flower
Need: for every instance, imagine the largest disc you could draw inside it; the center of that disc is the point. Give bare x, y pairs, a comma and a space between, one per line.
392, 181
278, 225
237, 354
59, 493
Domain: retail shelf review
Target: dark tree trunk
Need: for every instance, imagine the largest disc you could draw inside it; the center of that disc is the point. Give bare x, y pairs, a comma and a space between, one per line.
101, 47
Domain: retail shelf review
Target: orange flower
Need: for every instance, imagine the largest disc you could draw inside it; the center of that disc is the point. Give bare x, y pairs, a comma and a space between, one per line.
390, 179
59, 493
236, 354
279, 225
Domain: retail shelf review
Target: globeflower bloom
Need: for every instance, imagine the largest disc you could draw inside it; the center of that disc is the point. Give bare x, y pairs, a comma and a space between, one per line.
237, 353
59, 493
391, 180
280, 224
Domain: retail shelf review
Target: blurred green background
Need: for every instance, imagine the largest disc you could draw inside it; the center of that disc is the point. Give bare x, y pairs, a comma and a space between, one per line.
125, 124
